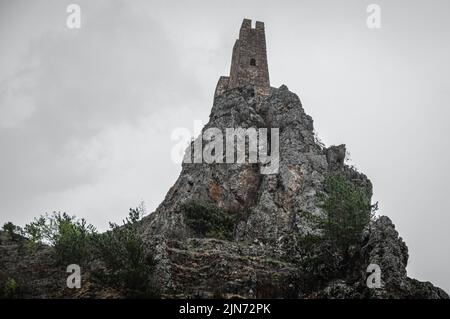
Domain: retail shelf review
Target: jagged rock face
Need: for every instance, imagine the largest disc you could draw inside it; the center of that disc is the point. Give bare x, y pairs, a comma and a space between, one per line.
35, 273
210, 268
274, 205
381, 245
38, 275
273, 210
260, 261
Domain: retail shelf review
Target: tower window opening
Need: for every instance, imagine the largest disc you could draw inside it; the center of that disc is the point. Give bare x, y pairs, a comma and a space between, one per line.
252, 62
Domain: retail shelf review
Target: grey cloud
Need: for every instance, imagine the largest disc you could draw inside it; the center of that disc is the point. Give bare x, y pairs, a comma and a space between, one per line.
118, 68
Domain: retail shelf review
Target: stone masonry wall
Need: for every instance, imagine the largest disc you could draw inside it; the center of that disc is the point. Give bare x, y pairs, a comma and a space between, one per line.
249, 61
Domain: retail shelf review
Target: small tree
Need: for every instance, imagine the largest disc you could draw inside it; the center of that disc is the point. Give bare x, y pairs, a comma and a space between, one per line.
69, 236
129, 265
34, 232
12, 230
347, 212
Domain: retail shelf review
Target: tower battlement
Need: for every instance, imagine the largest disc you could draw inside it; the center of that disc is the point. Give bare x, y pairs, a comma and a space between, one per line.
249, 61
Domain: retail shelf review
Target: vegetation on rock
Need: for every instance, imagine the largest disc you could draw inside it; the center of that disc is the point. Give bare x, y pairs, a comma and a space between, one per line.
69, 236
10, 289
347, 211
12, 230
129, 263
207, 220
126, 262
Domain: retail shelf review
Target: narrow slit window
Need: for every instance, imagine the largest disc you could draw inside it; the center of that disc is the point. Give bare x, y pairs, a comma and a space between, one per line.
252, 62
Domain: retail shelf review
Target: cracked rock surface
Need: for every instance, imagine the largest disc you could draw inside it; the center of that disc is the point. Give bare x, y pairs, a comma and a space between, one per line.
273, 209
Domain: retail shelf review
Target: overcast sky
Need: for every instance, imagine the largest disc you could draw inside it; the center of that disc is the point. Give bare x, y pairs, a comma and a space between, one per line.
86, 114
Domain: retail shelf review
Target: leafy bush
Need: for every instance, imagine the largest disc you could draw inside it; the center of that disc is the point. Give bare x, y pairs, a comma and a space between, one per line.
34, 232
12, 230
70, 237
121, 250
208, 220
10, 290
129, 265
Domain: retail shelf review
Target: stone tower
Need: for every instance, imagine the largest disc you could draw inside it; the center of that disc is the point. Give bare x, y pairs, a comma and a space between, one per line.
249, 61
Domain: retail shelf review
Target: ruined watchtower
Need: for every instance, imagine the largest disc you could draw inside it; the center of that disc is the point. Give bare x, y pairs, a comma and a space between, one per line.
248, 62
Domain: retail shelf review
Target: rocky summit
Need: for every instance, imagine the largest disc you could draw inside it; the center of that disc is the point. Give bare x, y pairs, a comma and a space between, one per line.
227, 229
273, 213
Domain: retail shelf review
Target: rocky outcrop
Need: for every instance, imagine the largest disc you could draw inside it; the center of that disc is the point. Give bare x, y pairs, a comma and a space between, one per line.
32, 269
211, 268
272, 220
272, 206
272, 209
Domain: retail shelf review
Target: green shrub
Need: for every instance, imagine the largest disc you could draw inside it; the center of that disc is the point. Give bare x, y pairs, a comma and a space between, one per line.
34, 232
12, 230
347, 212
10, 290
70, 237
122, 251
129, 265
207, 220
